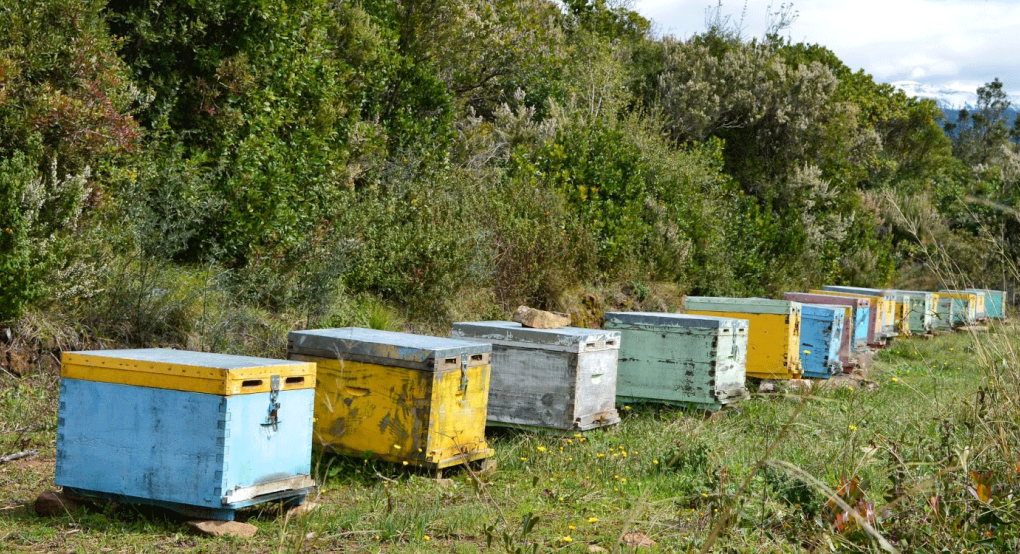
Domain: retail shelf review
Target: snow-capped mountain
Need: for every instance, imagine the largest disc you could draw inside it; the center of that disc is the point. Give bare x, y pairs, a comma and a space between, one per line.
951, 100
947, 98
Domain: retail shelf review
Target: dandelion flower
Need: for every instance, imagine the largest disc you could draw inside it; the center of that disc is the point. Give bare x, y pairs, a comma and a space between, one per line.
656, 462
405, 462
567, 539
624, 480
577, 435
596, 520
895, 379
426, 537
852, 427
541, 449
571, 527
851, 389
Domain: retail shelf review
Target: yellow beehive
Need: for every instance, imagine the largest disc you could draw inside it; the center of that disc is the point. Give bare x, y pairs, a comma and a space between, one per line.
773, 332
398, 397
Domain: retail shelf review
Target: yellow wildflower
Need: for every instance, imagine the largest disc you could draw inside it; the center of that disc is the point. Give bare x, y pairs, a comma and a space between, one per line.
853, 427
541, 449
593, 520
567, 540
426, 537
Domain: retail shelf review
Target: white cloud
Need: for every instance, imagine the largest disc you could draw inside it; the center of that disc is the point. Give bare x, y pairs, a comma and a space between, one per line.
932, 41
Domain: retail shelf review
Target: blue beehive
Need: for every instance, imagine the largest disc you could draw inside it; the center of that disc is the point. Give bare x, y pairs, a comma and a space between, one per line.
202, 434
821, 332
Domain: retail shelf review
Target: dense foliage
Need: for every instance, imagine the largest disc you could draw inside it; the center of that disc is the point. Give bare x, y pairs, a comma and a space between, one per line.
292, 156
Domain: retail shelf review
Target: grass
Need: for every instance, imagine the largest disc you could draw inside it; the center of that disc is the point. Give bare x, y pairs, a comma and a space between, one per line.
670, 475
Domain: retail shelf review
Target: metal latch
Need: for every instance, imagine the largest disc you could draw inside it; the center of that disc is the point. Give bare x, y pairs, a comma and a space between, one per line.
273, 417
463, 374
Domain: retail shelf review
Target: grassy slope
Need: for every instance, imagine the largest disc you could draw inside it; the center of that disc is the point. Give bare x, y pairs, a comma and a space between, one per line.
660, 472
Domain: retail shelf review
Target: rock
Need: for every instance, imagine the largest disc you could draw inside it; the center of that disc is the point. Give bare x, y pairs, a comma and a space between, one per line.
301, 509
767, 386
639, 540
53, 503
865, 360
596, 548
444, 482
216, 528
540, 319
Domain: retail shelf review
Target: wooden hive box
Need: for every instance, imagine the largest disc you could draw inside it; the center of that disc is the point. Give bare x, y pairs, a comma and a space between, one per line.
978, 311
773, 336
995, 307
549, 379
945, 312
965, 306
398, 397
853, 318
821, 336
857, 328
922, 310
692, 360
889, 307
202, 434
876, 314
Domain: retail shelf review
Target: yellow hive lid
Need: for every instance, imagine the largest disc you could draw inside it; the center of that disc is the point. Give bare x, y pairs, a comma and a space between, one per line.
182, 370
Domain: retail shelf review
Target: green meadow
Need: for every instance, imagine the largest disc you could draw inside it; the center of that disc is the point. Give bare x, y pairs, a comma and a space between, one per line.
922, 450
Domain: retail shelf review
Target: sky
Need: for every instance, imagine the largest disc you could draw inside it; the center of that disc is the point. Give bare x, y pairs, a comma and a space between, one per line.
958, 44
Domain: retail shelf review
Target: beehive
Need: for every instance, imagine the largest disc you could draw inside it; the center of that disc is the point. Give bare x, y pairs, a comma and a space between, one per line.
821, 335
699, 361
860, 325
553, 379
398, 397
946, 312
995, 307
877, 314
855, 320
965, 306
978, 310
922, 311
888, 307
202, 434
773, 336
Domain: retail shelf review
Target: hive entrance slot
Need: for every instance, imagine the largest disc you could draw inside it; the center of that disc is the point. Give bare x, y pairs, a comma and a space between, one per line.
248, 383
476, 357
450, 360
294, 380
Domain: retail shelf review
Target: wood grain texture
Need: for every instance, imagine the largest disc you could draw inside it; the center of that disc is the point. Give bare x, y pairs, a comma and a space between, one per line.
688, 365
180, 448
821, 333
396, 414
773, 340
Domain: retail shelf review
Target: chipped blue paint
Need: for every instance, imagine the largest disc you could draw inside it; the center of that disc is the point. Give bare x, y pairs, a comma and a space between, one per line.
187, 451
821, 331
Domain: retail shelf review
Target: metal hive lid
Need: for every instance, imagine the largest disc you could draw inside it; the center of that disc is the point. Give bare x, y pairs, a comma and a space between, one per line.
513, 331
741, 305
673, 320
373, 343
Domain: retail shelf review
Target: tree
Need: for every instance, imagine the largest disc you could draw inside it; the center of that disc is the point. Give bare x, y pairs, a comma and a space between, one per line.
978, 136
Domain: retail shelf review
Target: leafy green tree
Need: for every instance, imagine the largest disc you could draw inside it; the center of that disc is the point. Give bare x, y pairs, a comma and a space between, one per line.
979, 136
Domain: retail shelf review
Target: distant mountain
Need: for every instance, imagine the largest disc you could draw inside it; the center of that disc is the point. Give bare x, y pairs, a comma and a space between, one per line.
950, 100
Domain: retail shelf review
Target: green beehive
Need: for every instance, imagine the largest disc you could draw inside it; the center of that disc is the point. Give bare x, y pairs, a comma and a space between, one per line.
692, 360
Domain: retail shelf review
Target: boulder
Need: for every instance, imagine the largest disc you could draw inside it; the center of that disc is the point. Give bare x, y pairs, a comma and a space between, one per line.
540, 319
